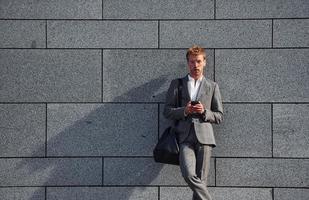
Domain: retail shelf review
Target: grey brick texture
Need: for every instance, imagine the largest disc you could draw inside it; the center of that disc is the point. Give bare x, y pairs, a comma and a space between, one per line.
83, 86
245, 131
262, 9
22, 130
291, 33
91, 130
56, 9
102, 193
150, 9
216, 34
50, 75
50, 171
263, 75
22, 193
262, 172
22, 34
291, 139
102, 34
285, 194
180, 193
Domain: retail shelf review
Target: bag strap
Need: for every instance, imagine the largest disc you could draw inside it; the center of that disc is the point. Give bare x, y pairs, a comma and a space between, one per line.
179, 92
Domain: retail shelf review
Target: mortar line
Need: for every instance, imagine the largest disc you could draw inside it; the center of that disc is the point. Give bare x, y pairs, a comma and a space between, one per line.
272, 33
215, 12
46, 34
215, 65
150, 156
158, 34
148, 186
158, 122
273, 193
102, 8
215, 163
272, 130
133, 102
102, 81
102, 171
155, 48
156, 19
46, 129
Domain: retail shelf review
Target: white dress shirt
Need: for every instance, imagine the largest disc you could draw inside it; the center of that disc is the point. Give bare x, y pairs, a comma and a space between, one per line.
194, 87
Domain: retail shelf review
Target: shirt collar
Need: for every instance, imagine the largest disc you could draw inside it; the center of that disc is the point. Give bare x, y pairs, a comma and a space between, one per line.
192, 79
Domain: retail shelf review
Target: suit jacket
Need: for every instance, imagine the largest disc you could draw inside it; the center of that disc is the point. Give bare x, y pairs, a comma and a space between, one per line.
209, 95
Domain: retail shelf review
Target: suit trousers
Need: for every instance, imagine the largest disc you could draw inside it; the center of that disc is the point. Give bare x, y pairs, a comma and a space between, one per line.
194, 161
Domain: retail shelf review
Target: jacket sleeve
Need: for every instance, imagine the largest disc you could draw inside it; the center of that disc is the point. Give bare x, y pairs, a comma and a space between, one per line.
171, 111
215, 114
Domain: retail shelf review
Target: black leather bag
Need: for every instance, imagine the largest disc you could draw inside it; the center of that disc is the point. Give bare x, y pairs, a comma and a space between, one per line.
167, 149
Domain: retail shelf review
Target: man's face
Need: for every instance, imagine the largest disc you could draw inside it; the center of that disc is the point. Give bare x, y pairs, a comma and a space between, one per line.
196, 65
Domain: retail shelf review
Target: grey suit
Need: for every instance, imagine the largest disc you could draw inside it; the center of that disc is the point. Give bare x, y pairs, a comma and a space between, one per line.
195, 133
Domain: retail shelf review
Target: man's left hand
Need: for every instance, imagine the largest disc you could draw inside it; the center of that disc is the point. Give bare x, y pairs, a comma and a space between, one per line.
198, 108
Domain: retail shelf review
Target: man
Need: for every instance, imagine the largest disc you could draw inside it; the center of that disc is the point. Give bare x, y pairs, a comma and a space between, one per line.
200, 105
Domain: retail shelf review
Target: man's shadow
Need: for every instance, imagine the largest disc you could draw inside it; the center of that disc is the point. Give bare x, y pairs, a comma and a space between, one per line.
123, 134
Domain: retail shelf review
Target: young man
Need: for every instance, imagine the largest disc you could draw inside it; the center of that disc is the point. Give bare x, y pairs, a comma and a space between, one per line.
200, 105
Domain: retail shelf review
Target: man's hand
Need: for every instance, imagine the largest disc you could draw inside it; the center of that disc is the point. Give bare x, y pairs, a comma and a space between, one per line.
188, 108
197, 108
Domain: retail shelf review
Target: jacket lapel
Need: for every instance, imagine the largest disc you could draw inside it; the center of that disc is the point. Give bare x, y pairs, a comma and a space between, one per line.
204, 89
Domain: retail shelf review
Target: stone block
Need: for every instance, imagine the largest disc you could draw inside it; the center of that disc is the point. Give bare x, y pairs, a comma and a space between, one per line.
102, 34
149, 9
261, 9
216, 33
144, 171
50, 171
291, 33
241, 193
262, 172
56, 9
289, 193
263, 75
22, 34
50, 75
22, 130
101, 129
180, 193
244, 132
22, 193
290, 124
176, 193
145, 74
102, 193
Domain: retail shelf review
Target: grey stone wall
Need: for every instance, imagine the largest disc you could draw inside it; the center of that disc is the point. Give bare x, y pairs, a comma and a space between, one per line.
83, 82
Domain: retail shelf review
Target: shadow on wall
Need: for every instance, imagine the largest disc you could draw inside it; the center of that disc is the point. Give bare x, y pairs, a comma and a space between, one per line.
76, 131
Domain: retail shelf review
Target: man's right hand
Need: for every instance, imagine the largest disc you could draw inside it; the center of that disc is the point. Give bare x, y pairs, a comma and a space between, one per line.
188, 109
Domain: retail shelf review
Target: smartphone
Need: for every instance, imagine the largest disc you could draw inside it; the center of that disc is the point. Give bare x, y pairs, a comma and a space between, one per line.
194, 102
